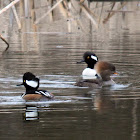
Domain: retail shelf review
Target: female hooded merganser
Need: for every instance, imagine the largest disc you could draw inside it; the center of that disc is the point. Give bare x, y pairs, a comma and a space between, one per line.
104, 71
31, 83
101, 72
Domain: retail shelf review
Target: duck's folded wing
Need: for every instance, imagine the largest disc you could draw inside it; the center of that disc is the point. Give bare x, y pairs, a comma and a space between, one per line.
45, 93
89, 82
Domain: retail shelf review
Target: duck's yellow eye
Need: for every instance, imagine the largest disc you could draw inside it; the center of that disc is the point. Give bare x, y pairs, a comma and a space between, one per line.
88, 57
24, 81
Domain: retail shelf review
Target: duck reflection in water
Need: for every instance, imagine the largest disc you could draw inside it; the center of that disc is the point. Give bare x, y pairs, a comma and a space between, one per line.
31, 113
97, 73
102, 101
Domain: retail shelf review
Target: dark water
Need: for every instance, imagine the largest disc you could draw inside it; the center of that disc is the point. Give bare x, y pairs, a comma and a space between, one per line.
110, 113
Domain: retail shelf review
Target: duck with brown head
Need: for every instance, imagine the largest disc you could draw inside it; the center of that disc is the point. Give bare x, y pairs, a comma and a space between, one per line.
104, 71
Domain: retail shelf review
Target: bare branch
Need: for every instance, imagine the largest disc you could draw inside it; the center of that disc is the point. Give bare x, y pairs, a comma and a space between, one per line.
3, 39
8, 6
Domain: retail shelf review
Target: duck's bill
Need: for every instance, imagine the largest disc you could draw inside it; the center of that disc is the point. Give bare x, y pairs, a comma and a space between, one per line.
79, 62
20, 84
115, 74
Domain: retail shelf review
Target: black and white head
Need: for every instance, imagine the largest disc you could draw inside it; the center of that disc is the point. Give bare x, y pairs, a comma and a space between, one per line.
90, 58
30, 81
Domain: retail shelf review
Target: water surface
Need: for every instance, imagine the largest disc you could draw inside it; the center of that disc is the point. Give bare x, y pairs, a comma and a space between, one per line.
108, 113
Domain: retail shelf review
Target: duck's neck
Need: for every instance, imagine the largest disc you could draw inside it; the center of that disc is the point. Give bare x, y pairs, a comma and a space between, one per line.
91, 66
105, 76
30, 89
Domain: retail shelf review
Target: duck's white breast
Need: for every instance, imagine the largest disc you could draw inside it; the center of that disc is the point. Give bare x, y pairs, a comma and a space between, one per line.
89, 73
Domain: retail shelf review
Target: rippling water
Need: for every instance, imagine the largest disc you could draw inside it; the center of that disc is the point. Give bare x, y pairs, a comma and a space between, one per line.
109, 113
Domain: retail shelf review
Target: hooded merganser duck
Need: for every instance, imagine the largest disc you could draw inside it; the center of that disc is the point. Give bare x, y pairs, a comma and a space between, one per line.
91, 59
104, 71
31, 83
101, 72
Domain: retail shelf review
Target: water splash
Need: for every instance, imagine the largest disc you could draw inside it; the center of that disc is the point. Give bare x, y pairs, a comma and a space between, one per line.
119, 86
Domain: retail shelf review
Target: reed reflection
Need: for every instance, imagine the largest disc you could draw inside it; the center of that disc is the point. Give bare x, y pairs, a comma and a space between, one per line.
134, 119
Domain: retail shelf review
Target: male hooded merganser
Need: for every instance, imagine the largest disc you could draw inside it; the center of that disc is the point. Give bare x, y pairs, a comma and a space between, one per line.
91, 59
31, 83
101, 72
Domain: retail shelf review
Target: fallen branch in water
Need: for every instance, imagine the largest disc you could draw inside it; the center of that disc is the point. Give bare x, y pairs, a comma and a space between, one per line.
58, 2
3, 39
89, 14
111, 14
9, 6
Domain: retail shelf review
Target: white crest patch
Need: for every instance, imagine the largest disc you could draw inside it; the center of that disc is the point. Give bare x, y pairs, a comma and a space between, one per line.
33, 84
94, 57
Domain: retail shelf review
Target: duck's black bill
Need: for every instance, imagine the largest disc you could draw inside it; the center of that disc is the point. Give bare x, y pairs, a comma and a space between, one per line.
79, 62
20, 84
